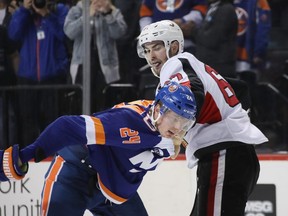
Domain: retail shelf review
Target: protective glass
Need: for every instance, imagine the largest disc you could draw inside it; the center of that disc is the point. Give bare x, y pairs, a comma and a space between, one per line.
176, 120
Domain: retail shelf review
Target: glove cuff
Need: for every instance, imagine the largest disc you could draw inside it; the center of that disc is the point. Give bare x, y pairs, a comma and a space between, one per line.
3, 177
11, 161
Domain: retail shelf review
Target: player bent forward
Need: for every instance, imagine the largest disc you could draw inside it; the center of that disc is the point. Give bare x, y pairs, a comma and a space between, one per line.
123, 143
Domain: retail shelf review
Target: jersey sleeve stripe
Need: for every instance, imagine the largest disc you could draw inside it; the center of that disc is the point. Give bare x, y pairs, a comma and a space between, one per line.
100, 135
94, 130
52, 176
90, 130
109, 194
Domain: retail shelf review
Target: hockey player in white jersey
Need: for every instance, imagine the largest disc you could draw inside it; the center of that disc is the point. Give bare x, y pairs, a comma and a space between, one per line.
222, 141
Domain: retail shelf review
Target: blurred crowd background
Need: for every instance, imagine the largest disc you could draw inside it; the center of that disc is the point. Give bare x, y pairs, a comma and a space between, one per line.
42, 49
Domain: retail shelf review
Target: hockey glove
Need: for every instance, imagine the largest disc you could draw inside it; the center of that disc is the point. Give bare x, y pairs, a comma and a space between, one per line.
12, 166
2, 174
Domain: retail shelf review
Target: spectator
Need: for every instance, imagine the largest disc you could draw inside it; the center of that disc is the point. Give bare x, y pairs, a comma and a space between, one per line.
126, 45
188, 14
8, 53
254, 24
8, 66
107, 25
12, 7
216, 37
43, 60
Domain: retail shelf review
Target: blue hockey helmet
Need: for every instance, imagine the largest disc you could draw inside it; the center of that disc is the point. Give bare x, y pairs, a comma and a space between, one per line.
178, 99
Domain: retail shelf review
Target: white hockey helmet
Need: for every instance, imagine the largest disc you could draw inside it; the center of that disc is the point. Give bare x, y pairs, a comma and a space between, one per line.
166, 31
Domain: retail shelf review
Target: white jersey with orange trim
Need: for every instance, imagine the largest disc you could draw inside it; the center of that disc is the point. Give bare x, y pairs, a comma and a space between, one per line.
220, 117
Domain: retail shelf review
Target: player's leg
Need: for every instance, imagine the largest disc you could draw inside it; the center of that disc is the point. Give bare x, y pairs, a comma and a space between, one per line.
97, 203
241, 175
134, 206
100, 206
62, 193
195, 208
204, 169
225, 180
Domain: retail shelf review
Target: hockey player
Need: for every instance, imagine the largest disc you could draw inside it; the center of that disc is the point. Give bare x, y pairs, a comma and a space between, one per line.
222, 141
123, 143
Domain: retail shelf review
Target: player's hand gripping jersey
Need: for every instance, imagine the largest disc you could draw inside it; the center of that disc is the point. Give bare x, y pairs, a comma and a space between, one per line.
220, 116
122, 143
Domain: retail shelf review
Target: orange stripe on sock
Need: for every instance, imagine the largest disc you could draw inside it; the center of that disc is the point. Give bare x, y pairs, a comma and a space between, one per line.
50, 180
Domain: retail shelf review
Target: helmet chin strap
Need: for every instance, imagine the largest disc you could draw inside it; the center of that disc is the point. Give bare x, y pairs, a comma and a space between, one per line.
152, 116
154, 72
167, 52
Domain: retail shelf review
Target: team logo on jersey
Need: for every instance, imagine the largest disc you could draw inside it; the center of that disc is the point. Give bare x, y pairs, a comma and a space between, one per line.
168, 5
243, 17
158, 151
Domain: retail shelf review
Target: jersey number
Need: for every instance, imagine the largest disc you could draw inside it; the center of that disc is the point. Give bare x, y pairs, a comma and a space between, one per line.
224, 86
131, 134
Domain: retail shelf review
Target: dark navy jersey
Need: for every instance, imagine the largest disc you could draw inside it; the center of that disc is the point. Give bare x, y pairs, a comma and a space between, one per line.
122, 145
159, 10
254, 24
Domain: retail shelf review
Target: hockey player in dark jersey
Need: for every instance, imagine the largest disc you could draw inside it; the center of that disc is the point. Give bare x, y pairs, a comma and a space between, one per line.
221, 143
101, 159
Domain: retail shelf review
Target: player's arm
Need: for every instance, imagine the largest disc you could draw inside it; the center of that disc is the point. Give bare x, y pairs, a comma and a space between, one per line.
64, 131
191, 21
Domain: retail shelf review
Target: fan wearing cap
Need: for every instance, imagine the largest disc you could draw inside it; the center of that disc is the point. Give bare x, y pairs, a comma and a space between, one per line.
103, 158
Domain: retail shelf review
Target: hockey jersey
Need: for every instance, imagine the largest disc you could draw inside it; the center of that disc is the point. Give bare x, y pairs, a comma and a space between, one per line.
170, 9
221, 117
254, 24
122, 145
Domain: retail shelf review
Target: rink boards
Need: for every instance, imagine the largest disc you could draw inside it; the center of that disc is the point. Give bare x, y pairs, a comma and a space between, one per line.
168, 191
